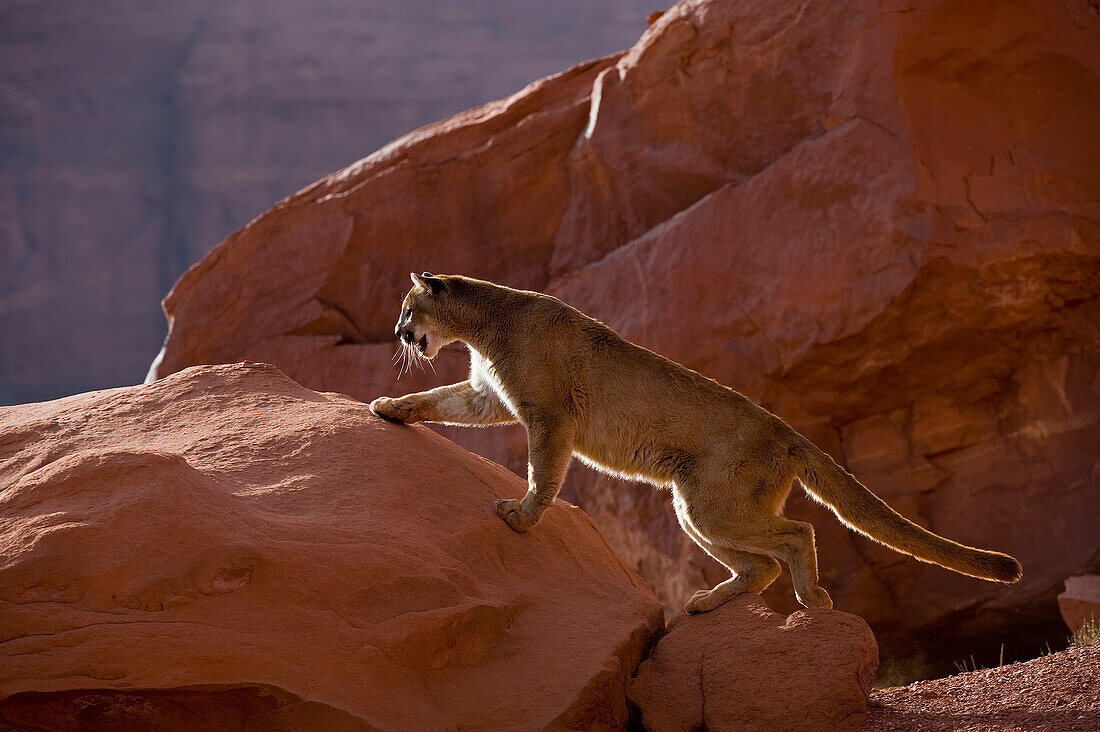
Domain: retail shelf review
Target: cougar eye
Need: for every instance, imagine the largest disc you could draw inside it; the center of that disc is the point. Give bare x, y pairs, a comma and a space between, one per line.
407, 314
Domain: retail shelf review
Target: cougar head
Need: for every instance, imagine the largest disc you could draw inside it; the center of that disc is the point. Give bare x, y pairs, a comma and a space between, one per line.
422, 325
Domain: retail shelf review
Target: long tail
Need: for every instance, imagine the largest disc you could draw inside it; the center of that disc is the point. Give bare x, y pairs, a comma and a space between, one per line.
863, 511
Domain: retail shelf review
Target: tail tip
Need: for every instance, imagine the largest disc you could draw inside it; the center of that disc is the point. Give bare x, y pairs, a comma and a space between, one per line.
1006, 569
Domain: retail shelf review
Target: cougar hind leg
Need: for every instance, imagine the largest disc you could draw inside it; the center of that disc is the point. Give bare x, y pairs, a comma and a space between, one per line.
751, 572
755, 532
793, 543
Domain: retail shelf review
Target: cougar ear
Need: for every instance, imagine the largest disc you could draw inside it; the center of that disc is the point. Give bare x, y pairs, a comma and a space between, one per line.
428, 281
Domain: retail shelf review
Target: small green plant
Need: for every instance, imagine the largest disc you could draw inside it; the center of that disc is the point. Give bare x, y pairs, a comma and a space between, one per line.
1087, 634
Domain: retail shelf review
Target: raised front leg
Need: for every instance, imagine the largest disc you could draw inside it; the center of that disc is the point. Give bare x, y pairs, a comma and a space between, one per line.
549, 450
455, 404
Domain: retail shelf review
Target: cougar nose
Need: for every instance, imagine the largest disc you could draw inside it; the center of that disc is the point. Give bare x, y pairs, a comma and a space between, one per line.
407, 336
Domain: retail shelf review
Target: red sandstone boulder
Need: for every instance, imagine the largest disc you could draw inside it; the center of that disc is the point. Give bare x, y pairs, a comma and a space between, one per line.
743, 667
226, 547
1080, 603
880, 222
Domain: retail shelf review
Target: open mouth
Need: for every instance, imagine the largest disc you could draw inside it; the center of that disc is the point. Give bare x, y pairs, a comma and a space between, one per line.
422, 344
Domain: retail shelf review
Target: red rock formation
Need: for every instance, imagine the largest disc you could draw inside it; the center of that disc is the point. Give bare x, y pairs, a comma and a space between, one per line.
226, 543
743, 667
880, 222
1080, 603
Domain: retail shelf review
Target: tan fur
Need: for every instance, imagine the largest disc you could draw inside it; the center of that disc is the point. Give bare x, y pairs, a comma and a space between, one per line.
580, 389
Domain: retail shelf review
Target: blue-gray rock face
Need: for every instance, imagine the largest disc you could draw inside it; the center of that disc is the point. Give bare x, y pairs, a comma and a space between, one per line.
135, 135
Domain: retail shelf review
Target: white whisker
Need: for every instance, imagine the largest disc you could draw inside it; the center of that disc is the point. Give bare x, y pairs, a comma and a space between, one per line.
408, 355
402, 363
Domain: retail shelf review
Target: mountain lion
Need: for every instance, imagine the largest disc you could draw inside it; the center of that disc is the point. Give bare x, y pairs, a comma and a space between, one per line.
579, 389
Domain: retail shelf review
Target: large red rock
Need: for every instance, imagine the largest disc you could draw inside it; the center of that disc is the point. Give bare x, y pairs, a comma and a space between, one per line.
1080, 602
225, 544
743, 667
880, 222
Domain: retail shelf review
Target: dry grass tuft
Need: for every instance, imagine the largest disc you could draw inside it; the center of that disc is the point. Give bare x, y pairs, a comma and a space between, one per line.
1087, 634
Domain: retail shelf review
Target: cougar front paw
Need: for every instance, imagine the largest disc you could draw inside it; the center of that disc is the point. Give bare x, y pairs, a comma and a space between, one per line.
513, 514
393, 410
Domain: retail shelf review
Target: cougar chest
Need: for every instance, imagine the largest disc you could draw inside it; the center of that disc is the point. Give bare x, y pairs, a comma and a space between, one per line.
484, 377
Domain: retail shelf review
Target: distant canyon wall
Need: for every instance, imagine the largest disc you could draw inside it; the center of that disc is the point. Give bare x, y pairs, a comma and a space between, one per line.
135, 135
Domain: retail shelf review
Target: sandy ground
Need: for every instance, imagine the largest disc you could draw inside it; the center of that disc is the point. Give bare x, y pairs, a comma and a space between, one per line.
1059, 693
